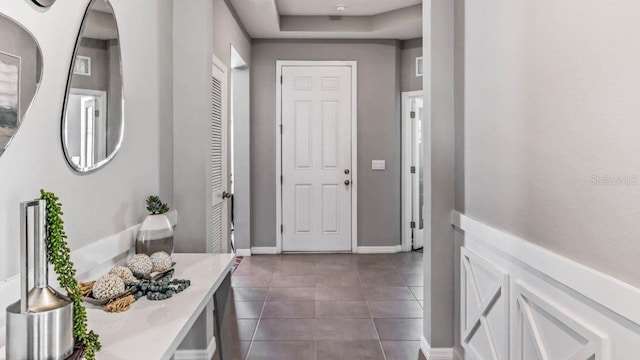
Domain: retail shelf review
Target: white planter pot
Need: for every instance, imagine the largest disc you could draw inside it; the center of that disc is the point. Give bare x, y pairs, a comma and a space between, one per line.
155, 234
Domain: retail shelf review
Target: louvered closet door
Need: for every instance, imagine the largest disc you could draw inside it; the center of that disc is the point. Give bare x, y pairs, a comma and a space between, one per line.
218, 224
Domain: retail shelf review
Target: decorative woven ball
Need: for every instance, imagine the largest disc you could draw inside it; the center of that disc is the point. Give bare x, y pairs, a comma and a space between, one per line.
123, 273
108, 287
140, 264
161, 261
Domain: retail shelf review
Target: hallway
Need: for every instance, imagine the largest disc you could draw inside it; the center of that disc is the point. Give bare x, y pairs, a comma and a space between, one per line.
329, 306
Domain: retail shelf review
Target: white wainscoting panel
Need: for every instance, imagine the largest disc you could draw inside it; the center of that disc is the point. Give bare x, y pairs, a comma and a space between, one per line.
556, 309
545, 330
484, 312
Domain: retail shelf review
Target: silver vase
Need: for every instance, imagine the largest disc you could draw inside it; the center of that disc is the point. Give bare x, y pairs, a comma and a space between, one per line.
155, 234
40, 325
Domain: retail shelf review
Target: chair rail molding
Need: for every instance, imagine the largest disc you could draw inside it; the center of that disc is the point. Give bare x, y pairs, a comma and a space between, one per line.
525, 301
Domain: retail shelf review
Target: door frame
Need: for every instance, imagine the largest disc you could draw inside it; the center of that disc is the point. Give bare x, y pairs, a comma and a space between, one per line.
103, 109
406, 167
354, 145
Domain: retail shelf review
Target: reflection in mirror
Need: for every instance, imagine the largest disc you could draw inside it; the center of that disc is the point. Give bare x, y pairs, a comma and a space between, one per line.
93, 123
20, 72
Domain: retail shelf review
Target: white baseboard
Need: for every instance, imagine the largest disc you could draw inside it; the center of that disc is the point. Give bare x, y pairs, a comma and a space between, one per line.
243, 252
205, 354
264, 250
379, 249
437, 353
457, 355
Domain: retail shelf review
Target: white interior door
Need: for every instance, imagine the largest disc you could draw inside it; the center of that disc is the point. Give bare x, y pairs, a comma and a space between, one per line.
417, 183
316, 158
413, 221
87, 123
218, 224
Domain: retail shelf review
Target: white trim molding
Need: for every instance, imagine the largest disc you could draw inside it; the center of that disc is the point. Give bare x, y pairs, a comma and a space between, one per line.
539, 304
205, 354
378, 249
354, 144
243, 252
437, 353
264, 250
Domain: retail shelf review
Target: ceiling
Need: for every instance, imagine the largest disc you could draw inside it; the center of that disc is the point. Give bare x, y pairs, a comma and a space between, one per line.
353, 7
319, 19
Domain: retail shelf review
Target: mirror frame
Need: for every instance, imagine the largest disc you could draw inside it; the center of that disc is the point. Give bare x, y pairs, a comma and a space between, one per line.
44, 3
108, 159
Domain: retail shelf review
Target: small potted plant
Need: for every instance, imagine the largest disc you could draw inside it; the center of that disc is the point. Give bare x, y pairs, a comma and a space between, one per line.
156, 231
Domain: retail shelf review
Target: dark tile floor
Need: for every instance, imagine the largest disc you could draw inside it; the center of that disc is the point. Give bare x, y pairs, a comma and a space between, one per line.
329, 306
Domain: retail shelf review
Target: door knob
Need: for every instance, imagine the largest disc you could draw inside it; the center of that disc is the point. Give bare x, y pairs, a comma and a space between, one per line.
226, 195
346, 171
347, 182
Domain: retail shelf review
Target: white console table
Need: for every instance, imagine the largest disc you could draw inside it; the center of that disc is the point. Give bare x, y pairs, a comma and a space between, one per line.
155, 329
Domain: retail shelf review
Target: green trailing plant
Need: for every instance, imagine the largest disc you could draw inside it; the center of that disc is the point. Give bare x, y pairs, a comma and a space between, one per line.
60, 257
155, 206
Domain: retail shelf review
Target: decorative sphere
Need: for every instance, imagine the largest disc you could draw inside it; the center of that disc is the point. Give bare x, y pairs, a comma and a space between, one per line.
140, 264
123, 273
107, 287
161, 261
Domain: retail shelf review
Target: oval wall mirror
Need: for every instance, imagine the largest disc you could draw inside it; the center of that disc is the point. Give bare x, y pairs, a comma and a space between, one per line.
93, 116
20, 73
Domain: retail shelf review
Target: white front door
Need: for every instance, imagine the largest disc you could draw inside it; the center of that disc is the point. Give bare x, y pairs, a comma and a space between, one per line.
316, 158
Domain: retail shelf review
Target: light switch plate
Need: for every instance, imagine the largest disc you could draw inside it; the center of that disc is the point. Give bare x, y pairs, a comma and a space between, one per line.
378, 165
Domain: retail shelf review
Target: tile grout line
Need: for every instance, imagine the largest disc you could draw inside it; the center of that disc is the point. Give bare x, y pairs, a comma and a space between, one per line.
375, 328
264, 304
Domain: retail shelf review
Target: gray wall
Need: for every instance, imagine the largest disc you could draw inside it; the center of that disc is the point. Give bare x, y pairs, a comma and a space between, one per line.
110, 200
227, 32
114, 110
378, 133
193, 46
411, 49
552, 127
98, 52
441, 83
16, 41
196, 36
459, 103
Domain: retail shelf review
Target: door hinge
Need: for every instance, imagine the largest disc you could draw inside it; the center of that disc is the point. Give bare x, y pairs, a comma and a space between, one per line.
281, 229
281, 179
413, 114
413, 224
413, 169
281, 80
97, 113
280, 129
